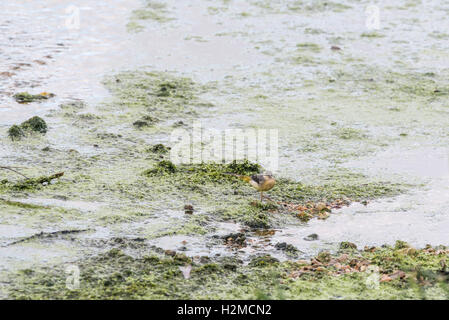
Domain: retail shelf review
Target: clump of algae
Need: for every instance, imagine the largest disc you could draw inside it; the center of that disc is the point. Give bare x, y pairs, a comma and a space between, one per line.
155, 11
25, 97
30, 183
34, 124
159, 96
161, 275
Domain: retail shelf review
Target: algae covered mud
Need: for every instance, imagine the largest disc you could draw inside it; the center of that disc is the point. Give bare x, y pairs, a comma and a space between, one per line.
92, 206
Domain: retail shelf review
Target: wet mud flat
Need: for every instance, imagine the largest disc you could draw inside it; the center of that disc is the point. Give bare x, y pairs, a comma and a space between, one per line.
137, 226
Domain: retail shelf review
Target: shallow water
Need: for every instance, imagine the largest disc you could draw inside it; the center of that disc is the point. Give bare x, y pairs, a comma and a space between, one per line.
249, 55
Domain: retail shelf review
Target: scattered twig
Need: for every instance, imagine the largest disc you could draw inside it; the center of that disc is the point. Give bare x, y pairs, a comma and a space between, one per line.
43, 235
13, 170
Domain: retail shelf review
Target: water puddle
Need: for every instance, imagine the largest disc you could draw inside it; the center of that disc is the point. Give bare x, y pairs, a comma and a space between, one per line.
83, 206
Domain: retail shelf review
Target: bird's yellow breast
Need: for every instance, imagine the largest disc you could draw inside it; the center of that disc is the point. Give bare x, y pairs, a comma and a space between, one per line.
266, 184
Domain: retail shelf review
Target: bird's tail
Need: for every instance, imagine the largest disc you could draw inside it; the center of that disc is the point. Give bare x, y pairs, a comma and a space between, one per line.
242, 177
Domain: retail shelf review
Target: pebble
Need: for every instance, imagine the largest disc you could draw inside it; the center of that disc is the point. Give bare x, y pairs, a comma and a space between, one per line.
188, 209
311, 237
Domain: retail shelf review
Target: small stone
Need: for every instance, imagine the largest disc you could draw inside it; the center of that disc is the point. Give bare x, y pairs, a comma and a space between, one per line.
324, 257
206, 259
323, 215
321, 206
347, 245
304, 216
178, 124
159, 148
281, 245
311, 237
188, 209
140, 124
235, 239
385, 278
170, 253
369, 249
353, 262
398, 274
61, 197
286, 247
401, 245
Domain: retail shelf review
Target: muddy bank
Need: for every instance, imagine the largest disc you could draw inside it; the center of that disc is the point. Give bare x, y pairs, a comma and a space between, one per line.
399, 272
197, 209
363, 151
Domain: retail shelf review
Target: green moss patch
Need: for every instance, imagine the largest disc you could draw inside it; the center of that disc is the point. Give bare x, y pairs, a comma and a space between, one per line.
25, 97
159, 96
336, 190
159, 149
34, 124
206, 182
371, 35
372, 273
21, 204
205, 172
30, 184
312, 47
317, 6
153, 10
16, 132
350, 134
162, 167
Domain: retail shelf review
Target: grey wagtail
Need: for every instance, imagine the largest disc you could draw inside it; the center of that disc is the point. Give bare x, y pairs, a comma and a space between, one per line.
261, 182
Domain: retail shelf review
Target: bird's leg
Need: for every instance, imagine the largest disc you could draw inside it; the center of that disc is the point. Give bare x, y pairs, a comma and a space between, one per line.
261, 196
266, 197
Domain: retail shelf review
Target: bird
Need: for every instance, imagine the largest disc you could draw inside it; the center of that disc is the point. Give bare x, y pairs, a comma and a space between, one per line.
261, 182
